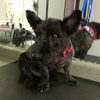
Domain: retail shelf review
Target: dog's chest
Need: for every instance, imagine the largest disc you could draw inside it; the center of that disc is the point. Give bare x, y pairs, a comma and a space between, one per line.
63, 59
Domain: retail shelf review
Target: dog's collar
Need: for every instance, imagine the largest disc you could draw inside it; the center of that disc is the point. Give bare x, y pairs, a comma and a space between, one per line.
67, 50
89, 30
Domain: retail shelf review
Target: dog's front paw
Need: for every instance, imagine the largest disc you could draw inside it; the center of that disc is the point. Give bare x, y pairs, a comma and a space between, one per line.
72, 82
54, 78
43, 87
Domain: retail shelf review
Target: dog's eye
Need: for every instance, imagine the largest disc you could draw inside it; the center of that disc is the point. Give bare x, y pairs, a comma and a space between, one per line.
38, 34
54, 35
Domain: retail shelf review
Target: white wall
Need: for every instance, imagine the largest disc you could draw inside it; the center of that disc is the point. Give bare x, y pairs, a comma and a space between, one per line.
3, 9
95, 16
42, 9
56, 8
27, 5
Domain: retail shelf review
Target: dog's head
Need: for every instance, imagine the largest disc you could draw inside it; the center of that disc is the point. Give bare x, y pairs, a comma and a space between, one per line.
96, 27
52, 34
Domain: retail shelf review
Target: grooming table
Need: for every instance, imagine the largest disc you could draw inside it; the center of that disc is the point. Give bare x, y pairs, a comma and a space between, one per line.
10, 89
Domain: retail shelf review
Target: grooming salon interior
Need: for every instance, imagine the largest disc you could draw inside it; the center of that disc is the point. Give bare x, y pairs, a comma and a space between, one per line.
17, 35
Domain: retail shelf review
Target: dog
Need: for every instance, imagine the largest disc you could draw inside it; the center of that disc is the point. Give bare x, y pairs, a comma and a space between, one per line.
82, 40
50, 52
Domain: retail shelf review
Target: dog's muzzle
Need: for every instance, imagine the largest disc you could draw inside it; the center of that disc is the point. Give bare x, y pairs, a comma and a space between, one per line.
37, 57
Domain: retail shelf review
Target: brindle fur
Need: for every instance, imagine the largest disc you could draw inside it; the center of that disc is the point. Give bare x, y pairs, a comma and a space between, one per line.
45, 56
82, 40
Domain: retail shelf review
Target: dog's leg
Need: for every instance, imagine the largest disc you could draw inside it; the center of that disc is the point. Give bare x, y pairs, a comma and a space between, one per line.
44, 80
54, 75
83, 55
69, 79
26, 76
22, 68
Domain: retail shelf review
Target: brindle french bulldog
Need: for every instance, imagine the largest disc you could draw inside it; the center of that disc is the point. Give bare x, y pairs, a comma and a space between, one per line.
50, 52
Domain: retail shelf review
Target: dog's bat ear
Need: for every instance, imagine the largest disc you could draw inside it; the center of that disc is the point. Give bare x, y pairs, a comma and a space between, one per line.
72, 22
32, 19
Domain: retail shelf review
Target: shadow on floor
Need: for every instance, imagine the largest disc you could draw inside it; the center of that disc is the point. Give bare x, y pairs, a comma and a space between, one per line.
10, 89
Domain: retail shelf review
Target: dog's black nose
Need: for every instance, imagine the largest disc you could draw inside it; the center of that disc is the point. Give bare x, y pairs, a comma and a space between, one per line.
37, 59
